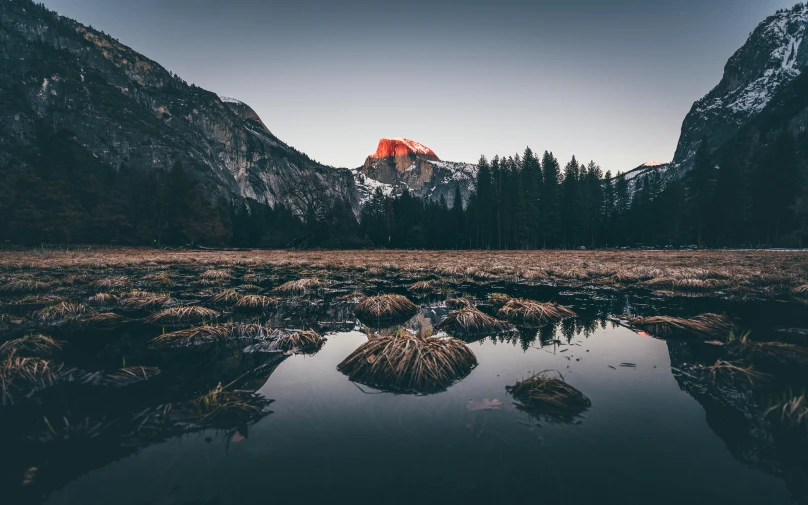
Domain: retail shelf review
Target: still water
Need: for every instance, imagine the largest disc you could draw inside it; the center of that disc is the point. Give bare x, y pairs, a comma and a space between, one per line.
644, 440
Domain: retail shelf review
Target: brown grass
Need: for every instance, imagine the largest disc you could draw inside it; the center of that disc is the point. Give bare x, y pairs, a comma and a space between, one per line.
800, 291
458, 303
227, 297
791, 414
384, 308
726, 371
205, 335
470, 321
547, 396
520, 311
702, 326
299, 287
35, 345
60, 311
423, 287
140, 300
409, 364
255, 302
122, 377
103, 299
303, 340
21, 376
499, 300
183, 315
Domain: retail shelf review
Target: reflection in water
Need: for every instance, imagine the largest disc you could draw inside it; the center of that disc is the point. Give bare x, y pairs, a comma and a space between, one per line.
296, 417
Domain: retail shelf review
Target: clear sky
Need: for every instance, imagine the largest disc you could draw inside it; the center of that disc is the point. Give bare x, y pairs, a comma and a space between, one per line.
604, 80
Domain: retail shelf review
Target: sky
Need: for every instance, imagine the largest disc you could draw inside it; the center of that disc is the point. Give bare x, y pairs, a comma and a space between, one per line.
609, 81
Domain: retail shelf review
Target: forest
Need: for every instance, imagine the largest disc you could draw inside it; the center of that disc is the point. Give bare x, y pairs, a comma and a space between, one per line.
755, 199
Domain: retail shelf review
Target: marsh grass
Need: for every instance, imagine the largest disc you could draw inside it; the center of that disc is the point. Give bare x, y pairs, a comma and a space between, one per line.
222, 408
122, 377
209, 334
384, 308
299, 340
183, 315
528, 312
299, 287
790, 413
551, 397
30, 345
458, 303
141, 300
103, 299
470, 321
60, 311
255, 302
499, 300
776, 358
22, 376
732, 372
409, 364
706, 325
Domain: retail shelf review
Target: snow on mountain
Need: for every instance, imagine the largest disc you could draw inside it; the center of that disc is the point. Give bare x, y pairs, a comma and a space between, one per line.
772, 57
400, 163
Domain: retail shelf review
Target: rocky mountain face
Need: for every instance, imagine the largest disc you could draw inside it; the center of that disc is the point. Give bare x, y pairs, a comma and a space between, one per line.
128, 111
400, 162
770, 60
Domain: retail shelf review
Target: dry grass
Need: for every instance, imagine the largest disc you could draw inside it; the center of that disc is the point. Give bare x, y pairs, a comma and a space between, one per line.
23, 285
36, 345
791, 414
409, 364
299, 287
113, 282
423, 287
22, 376
725, 371
140, 300
60, 311
227, 297
216, 275
303, 340
224, 408
776, 358
547, 396
800, 291
458, 303
100, 321
528, 312
183, 315
103, 299
206, 335
255, 302
701, 326
385, 308
499, 300
122, 377
470, 321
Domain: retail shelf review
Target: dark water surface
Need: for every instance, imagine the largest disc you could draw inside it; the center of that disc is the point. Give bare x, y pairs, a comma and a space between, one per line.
644, 440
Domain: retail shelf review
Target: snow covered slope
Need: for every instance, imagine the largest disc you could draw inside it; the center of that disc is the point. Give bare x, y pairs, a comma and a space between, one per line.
772, 57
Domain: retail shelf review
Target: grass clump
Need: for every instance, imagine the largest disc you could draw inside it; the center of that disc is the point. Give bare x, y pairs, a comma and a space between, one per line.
222, 408
226, 297
458, 303
216, 275
423, 287
23, 376
103, 299
499, 300
470, 321
122, 377
289, 341
725, 371
800, 291
209, 334
528, 312
30, 345
255, 302
408, 364
299, 287
60, 311
183, 315
386, 308
141, 300
23, 285
550, 397
792, 414
702, 326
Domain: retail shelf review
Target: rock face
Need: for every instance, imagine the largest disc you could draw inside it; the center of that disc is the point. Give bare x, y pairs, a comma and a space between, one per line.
772, 57
399, 163
127, 110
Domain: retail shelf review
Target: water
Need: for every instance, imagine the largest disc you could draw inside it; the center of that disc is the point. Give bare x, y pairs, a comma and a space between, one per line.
644, 440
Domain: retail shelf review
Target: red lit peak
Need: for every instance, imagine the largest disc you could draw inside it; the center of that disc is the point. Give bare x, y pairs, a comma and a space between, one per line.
401, 147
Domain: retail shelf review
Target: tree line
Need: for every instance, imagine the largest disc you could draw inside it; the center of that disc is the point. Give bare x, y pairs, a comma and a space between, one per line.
530, 202
752, 196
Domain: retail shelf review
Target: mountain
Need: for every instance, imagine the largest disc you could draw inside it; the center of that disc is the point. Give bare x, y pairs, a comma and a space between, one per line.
636, 174
125, 112
770, 60
399, 163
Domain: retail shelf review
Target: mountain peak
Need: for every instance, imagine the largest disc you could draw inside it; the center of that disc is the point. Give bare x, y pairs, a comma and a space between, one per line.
400, 146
